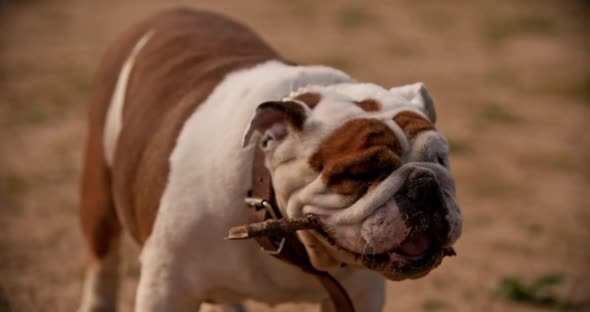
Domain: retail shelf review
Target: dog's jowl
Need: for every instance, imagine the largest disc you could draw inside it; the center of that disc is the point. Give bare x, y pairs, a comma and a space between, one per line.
183, 102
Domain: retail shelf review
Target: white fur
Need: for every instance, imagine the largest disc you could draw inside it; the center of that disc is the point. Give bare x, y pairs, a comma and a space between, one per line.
393, 101
186, 260
411, 92
114, 117
417, 95
356, 223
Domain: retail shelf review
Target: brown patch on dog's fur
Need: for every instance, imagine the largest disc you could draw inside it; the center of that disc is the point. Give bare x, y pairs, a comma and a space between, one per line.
173, 73
359, 153
412, 123
369, 105
309, 98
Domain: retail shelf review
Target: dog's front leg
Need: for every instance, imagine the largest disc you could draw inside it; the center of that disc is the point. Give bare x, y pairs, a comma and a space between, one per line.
162, 284
366, 290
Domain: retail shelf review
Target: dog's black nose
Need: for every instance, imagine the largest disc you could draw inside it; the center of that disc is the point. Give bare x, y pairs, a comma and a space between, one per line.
422, 188
420, 199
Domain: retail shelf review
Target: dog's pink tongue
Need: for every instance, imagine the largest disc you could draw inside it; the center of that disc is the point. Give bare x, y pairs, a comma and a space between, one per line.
416, 246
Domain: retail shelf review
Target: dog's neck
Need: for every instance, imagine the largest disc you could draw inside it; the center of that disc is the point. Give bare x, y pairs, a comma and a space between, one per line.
261, 205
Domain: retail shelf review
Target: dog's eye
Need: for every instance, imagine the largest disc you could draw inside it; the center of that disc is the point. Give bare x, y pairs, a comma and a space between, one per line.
265, 140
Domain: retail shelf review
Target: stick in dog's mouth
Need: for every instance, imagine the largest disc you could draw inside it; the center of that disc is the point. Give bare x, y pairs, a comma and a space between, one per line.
274, 227
311, 222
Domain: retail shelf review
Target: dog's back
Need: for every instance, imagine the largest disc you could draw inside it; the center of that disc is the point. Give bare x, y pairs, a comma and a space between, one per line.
161, 69
189, 54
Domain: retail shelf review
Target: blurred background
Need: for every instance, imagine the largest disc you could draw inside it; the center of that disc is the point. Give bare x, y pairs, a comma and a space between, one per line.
510, 80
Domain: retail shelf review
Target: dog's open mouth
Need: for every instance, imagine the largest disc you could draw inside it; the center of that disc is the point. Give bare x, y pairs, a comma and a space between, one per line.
416, 255
412, 249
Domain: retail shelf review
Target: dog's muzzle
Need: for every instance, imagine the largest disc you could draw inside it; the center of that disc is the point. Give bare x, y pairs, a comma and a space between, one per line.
414, 228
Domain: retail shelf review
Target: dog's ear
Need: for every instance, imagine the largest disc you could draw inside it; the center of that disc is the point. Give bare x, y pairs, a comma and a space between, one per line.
417, 94
273, 120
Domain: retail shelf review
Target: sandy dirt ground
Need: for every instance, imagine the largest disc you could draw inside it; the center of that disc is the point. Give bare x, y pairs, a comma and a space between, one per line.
511, 81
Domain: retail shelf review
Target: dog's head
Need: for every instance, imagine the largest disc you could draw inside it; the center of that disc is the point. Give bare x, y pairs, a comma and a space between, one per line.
371, 165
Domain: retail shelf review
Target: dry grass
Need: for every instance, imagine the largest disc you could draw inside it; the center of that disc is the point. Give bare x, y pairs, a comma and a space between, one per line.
511, 83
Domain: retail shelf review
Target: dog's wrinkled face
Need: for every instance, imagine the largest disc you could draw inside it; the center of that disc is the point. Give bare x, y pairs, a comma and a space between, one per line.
371, 165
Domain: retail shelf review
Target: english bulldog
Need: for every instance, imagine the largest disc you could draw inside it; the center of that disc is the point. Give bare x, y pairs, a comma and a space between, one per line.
181, 103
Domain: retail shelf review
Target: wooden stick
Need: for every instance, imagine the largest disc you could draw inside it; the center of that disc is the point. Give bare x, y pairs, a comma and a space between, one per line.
273, 227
